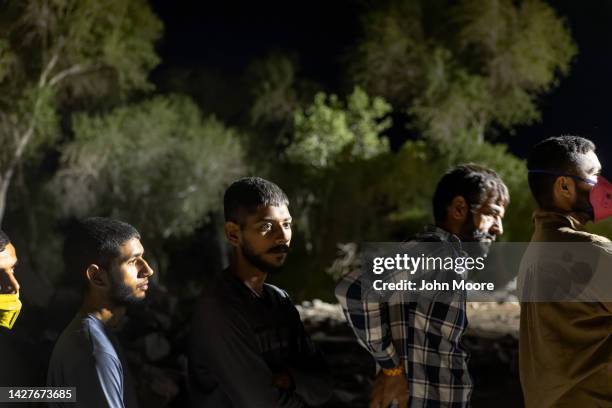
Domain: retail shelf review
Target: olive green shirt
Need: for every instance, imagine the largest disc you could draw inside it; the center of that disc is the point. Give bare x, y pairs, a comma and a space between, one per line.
565, 348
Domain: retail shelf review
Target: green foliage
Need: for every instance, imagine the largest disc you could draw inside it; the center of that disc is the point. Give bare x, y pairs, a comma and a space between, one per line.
329, 131
459, 67
88, 37
158, 164
273, 89
53, 51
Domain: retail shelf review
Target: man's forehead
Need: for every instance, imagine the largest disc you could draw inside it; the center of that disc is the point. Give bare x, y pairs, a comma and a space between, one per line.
131, 247
589, 162
276, 212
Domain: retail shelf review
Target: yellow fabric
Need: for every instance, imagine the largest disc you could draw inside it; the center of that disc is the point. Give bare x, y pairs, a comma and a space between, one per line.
565, 348
10, 306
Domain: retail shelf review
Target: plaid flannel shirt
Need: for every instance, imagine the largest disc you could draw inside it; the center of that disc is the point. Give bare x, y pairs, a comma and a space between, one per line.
425, 334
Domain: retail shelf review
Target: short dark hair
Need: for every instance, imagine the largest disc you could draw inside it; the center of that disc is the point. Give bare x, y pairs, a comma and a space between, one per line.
94, 240
4, 240
246, 195
559, 155
471, 181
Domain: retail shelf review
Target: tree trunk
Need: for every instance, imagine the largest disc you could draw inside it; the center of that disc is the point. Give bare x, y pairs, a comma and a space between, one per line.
5, 181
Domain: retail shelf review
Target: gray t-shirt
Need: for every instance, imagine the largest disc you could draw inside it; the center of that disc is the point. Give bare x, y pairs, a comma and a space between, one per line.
85, 357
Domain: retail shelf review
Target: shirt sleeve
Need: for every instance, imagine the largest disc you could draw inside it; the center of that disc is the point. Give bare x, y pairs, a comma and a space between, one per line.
223, 344
98, 382
369, 319
110, 377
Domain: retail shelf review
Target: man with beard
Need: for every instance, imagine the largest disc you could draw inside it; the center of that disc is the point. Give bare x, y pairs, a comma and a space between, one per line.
248, 346
565, 347
107, 257
417, 340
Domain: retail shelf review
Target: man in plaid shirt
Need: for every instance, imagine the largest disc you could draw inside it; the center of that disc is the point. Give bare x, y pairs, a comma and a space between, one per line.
417, 341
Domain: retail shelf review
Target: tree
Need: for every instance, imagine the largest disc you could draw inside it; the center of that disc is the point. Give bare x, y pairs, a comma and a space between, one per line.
458, 68
54, 51
158, 164
329, 131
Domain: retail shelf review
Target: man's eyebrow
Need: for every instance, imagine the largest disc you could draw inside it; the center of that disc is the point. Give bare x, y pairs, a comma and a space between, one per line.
274, 219
595, 169
132, 256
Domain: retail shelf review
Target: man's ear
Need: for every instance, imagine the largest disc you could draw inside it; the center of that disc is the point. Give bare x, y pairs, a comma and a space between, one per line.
232, 233
97, 277
458, 209
564, 187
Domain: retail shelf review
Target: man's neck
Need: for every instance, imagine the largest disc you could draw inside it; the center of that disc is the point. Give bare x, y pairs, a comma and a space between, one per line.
450, 228
103, 310
250, 275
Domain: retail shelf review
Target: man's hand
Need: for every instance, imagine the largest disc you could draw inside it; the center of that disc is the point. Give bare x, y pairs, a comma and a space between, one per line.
387, 388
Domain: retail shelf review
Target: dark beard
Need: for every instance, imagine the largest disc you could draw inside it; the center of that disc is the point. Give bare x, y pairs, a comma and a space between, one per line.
480, 241
583, 203
258, 262
122, 295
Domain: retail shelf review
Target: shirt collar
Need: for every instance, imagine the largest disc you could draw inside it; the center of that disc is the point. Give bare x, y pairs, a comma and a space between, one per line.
556, 219
437, 232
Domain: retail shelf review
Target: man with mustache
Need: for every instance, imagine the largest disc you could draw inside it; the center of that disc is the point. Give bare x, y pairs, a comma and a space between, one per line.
248, 346
565, 345
417, 341
107, 257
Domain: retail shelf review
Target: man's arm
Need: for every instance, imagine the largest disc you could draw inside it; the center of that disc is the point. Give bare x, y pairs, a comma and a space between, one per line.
98, 380
309, 370
110, 377
369, 319
223, 344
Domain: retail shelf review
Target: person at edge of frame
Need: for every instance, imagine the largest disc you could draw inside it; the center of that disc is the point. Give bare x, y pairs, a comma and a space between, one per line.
418, 342
10, 305
107, 256
565, 347
248, 346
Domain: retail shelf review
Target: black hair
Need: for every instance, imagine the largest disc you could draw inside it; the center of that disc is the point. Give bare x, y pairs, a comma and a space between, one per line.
246, 195
4, 240
559, 155
473, 182
94, 240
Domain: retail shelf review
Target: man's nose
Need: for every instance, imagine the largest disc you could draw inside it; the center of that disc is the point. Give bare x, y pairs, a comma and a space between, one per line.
284, 236
12, 286
498, 227
146, 270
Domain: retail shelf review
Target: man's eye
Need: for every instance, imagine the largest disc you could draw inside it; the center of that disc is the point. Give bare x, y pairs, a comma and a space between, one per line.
287, 225
266, 227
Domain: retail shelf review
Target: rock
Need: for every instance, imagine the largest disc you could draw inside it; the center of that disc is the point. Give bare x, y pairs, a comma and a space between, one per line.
156, 346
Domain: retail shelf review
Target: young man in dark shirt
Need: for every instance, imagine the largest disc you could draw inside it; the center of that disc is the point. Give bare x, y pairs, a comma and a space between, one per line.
249, 347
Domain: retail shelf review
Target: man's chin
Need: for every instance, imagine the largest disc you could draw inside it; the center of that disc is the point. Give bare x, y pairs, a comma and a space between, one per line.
133, 299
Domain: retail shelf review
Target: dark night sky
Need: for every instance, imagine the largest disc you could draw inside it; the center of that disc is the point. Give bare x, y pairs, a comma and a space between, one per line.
226, 36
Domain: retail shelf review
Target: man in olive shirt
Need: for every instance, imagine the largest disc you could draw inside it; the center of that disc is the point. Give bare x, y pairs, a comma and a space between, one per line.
565, 349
